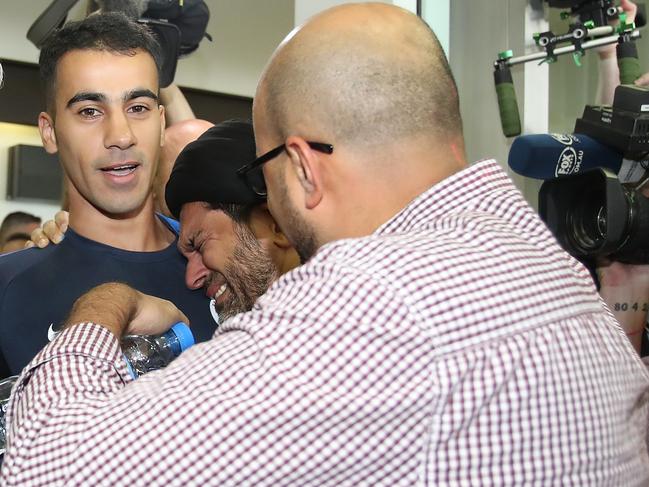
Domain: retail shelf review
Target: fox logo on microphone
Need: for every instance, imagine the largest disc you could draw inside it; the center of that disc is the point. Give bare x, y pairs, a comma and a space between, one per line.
569, 162
565, 139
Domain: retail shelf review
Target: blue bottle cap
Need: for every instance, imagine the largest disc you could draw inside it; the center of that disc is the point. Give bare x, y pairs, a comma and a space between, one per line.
129, 367
184, 334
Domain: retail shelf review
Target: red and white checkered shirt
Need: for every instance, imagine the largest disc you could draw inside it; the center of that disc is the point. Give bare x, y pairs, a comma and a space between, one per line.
457, 345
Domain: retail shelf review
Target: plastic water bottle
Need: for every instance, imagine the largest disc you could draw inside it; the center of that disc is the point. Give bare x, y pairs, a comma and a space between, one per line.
5, 391
144, 353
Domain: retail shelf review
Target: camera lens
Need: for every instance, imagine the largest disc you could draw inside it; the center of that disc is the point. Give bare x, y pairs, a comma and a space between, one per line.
587, 222
601, 222
634, 247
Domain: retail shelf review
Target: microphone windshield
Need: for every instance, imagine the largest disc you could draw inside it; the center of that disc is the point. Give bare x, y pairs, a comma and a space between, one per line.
548, 156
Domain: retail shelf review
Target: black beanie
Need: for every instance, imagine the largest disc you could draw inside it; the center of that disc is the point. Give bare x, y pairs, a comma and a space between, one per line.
206, 168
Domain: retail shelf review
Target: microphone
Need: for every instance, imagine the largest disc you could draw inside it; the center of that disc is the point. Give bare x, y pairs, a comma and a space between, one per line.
549, 156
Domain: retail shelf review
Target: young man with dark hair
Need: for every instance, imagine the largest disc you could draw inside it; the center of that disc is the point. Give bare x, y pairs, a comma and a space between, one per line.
104, 120
18, 222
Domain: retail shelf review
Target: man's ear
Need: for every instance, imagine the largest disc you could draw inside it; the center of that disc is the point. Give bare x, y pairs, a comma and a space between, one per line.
163, 124
264, 226
307, 165
279, 238
48, 135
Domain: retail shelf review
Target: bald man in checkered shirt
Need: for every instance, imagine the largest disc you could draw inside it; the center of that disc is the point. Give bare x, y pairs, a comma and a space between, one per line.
435, 335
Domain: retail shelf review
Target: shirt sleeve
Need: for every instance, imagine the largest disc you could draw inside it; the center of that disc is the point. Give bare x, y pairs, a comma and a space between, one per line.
282, 396
55, 395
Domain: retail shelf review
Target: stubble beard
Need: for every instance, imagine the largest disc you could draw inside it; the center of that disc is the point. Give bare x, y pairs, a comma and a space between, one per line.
249, 273
299, 232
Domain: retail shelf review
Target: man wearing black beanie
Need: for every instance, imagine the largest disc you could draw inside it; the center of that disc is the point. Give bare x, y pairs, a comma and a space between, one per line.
234, 247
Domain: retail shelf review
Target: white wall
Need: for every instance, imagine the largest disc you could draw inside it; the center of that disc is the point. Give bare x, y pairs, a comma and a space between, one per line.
474, 46
437, 14
479, 31
245, 34
15, 19
306, 8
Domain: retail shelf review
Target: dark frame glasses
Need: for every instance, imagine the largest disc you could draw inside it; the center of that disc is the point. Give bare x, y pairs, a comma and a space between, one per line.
253, 174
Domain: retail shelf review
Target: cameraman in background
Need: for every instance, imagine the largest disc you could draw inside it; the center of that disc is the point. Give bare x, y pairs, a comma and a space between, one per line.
609, 73
624, 287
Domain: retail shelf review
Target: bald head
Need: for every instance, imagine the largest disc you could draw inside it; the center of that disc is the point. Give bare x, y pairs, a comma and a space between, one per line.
361, 73
177, 136
371, 80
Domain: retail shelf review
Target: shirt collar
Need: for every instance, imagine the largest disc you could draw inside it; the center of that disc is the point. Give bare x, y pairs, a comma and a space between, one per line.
460, 191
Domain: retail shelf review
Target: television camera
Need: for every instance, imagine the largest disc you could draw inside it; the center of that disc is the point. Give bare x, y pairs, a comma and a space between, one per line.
594, 214
178, 25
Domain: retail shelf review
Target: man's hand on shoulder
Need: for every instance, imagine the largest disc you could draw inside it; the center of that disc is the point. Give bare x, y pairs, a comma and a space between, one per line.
123, 310
51, 231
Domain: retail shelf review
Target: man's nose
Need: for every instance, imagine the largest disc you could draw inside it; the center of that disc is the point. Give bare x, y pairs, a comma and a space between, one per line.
196, 273
119, 133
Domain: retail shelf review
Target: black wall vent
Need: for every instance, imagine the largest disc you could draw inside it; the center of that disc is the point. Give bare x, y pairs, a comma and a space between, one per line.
34, 175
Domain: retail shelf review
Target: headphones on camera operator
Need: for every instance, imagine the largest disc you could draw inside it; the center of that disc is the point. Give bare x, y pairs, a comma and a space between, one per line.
178, 25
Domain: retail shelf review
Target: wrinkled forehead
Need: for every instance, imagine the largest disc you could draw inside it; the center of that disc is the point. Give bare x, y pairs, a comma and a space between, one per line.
192, 216
198, 217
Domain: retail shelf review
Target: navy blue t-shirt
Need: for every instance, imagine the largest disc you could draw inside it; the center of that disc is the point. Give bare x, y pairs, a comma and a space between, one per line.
39, 286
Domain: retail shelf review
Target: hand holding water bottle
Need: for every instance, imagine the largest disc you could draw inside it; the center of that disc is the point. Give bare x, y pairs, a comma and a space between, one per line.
154, 316
123, 310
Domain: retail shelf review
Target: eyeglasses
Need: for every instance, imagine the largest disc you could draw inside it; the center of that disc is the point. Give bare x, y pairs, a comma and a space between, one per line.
253, 174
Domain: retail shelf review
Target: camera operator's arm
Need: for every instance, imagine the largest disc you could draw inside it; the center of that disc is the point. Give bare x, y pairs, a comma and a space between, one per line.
608, 77
643, 80
176, 105
609, 73
625, 289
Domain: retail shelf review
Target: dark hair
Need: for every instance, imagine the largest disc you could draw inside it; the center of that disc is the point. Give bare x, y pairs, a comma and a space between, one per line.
237, 212
113, 32
15, 219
